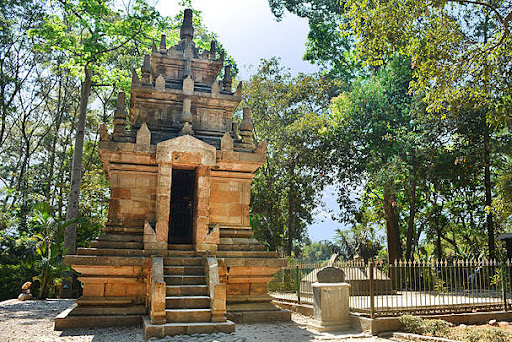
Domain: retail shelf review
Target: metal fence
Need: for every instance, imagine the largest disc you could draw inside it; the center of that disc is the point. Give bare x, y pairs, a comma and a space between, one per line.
407, 287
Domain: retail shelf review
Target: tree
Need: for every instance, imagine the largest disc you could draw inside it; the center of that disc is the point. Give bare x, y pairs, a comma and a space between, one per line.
319, 251
287, 112
461, 50
325, 46
88, 32
371, 147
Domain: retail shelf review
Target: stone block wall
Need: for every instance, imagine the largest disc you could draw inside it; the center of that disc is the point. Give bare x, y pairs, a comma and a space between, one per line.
229, 199
132, 197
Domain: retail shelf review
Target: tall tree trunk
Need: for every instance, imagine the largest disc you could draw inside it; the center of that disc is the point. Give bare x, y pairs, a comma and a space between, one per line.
392, 228
487, 160
439, 249
291, 228
291, 214
410, 227
56, 128
76, 169
488, 192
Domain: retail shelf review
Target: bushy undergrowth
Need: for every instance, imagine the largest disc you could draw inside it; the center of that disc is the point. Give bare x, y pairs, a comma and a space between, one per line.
11, 279
440, 328
418, 325
489, 334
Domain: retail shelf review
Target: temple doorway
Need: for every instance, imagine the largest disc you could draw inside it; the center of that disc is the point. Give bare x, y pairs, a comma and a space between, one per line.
182, 199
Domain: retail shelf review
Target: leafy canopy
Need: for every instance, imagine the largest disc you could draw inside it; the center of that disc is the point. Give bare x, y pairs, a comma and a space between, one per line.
461, 51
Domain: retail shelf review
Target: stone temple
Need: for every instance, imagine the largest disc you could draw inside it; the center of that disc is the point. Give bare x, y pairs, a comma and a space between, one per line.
177, 254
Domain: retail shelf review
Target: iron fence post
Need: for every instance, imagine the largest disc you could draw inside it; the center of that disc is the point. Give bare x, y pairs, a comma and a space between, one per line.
372, 291
504, 286
298, 282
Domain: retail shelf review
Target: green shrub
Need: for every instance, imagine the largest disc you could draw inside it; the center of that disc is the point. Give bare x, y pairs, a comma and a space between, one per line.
486, 335
437, 327
418, 325
412, 324
11, 279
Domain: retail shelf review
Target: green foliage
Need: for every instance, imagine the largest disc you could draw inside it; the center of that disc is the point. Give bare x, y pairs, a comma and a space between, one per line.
287, 112
440, 328
325, 45
412, 324
431, 327
436, 327
319, 251
460, 50
45, 248
361, 241
490, 334
14, 272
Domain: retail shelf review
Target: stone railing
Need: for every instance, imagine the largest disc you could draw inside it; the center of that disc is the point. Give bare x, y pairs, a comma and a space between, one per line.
150, 241
216, 289
158, 291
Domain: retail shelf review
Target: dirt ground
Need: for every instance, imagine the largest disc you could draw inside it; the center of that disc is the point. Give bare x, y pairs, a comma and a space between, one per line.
33, 321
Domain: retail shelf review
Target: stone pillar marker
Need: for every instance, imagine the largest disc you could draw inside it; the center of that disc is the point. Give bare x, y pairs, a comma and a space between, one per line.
330, 301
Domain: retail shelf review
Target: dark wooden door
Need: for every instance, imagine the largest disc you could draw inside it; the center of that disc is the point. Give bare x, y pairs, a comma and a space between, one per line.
182, 198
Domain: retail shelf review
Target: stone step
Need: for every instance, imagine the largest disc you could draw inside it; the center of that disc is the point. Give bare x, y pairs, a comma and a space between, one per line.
258, 247
105, 300
235, 233
188, 315
172, 329
180, 261
116, 244
178, 253
187, 290
124, 230
121, 237
239, 241
184, 270
100, 310
109, 252
181, 247
247, 254
70, 322
187, 302
185, 279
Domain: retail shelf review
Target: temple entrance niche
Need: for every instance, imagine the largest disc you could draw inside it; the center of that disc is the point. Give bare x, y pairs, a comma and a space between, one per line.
182, 207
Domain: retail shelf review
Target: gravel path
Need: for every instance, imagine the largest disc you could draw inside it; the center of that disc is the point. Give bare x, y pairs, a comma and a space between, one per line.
33, 321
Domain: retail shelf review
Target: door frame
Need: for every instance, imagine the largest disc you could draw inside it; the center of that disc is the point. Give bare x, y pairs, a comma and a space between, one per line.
186, 152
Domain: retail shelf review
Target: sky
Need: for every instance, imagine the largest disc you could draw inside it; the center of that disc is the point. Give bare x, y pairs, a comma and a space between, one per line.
249, 32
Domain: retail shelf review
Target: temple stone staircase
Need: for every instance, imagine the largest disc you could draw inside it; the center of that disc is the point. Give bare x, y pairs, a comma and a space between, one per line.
187, 297
193, 298
117, 241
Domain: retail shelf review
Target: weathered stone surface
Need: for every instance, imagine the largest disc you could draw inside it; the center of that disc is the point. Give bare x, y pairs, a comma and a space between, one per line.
330, 274
160, 82
104, 135
187, 145
188, 85
331, 307
226, 143
215, 90
24, 296
262, 148
143, 137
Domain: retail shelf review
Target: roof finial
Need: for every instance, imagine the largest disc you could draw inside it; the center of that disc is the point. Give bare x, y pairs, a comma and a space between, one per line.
227, 80
187, 30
